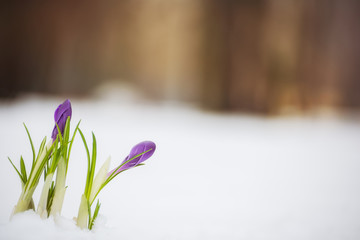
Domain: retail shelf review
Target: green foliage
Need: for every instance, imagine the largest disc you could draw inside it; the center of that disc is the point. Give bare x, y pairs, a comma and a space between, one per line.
23, 169
46, 160
50, 197
22, 178
40, 162
91, 164
93, 218
90, 178
115, 173
53, 156
61, 152
90, 188
32, 145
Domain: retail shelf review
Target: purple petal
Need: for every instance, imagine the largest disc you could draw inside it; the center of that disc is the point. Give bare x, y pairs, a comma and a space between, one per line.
136, 150
62, 112
63, 109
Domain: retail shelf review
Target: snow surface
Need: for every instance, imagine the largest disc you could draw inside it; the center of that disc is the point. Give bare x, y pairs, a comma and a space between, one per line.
213, 176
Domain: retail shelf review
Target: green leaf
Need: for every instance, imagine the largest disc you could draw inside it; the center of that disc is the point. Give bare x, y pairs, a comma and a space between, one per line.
50, 198
32, 145
41, 148
88, 158
99, 180
92, 167
66, 139
59, 133
41, 166
21, 178
71, 143
23, 169
55, 157
67, 129
89, 213
91, 170
96, 212
97, 209
114, 174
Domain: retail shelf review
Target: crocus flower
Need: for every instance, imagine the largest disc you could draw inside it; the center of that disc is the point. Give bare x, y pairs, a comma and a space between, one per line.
61, 114
147, 146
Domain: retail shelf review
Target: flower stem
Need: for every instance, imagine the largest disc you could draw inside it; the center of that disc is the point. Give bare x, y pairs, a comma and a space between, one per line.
24, 202
83, 214
41, 210
60, 188
99, 180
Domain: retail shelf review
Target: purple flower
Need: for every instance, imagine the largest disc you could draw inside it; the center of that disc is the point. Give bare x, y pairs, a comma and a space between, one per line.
147, 146
61, 114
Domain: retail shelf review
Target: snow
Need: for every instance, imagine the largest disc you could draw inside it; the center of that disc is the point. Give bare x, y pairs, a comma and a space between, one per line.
213, 176
29, 225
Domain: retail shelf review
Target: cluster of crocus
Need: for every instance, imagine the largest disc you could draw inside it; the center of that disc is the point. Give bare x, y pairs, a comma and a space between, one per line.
54, 156
94, 184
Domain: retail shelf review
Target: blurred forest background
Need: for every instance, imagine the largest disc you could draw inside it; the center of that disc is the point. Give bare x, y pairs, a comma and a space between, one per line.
262, 56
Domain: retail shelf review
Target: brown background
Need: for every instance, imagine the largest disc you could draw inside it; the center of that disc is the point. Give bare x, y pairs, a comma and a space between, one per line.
264, 56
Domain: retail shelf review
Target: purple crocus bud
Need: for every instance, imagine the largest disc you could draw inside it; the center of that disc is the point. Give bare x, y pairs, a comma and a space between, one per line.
61, 114
147, 146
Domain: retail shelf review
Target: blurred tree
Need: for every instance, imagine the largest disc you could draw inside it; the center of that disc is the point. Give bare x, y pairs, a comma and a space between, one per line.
328, 69
271, 56
264, 56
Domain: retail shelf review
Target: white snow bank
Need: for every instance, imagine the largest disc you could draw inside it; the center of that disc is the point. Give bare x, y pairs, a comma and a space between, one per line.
28, 225
213, 176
